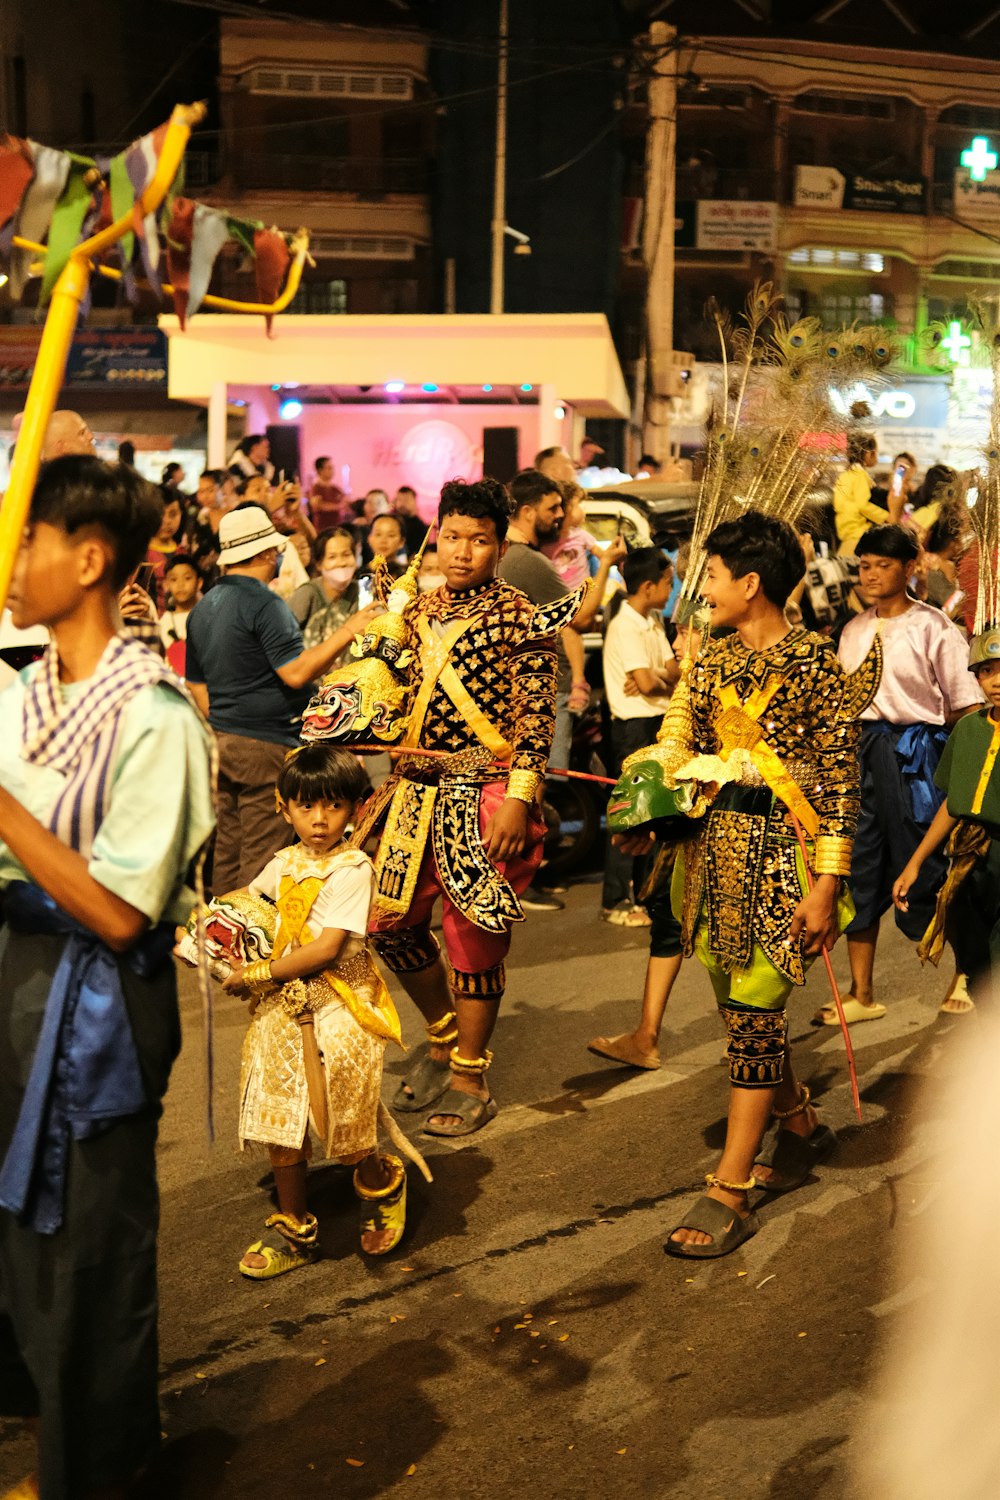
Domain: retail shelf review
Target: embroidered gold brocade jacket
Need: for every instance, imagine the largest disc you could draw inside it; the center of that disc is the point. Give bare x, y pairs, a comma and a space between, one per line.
802, 723
742, 870
507, 669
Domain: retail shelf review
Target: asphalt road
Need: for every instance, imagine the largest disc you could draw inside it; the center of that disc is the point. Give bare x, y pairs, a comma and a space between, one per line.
529, 1332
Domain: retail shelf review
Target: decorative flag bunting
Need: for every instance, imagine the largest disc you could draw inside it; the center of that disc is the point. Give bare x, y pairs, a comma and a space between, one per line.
66, 225
57, 199
15, 173
178, 232
51, 170
211, 231
122, 199
272, 260
140, 164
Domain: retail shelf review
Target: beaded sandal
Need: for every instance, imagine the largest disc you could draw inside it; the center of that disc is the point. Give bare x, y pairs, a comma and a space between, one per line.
383, 1208
288, 1246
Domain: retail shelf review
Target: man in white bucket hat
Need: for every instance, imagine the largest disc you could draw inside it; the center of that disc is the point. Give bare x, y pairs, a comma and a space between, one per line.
251, 675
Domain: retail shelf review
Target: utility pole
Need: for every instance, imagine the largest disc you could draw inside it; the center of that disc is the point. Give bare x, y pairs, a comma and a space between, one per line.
500, 179
658, 241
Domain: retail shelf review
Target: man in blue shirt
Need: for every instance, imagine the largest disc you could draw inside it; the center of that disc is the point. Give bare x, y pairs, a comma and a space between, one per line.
250, 674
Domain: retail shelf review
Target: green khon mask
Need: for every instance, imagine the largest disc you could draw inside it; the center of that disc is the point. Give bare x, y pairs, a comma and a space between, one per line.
645, 793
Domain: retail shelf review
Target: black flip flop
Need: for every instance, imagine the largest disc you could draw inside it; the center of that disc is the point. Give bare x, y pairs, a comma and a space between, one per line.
428, 1080
707, 1215
793, 1157
472, 1111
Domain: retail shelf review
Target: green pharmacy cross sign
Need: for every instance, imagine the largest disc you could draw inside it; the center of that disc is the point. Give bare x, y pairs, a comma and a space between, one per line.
958, 344
979, 158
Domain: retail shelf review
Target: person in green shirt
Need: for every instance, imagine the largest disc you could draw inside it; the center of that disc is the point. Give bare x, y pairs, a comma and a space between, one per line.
105, 801
968, 906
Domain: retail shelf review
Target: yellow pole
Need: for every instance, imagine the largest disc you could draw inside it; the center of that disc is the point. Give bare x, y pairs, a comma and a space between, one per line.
300, 254
60, 323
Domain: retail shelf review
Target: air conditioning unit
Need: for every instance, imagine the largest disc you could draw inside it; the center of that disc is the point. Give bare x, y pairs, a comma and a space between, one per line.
358, 247
329, 83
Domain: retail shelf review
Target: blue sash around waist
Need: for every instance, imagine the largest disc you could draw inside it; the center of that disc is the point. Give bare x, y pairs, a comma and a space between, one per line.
918, 748
85, 1073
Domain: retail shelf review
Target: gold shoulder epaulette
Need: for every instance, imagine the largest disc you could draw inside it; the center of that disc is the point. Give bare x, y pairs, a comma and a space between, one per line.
862, 684
547, 619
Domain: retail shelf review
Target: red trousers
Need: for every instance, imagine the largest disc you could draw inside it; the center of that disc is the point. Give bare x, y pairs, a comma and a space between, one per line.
471, 949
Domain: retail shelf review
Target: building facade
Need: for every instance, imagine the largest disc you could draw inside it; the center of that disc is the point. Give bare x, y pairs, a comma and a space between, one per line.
831, 149
332, 127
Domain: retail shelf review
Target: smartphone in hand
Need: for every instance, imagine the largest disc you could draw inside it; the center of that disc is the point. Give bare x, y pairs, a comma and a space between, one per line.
145, 578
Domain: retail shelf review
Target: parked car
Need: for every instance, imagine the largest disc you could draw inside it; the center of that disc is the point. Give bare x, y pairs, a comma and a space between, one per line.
642, 511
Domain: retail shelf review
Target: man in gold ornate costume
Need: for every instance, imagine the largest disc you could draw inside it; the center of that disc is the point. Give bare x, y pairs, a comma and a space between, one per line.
774, 724
464, 823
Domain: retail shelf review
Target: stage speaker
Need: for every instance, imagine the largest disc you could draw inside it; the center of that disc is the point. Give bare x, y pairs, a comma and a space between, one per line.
500, 455
286, 448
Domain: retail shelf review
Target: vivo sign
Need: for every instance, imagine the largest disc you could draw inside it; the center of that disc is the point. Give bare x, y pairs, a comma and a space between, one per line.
900, 405
921, 403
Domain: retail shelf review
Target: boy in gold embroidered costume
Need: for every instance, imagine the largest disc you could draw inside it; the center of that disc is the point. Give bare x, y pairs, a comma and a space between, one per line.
321, 1016
465, 826
773, 704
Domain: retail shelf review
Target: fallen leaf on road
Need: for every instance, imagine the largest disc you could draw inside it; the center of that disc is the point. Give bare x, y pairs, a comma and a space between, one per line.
621, 1450
397, 1317
411, 1470
200, 1376
456, 1294
742, 1273
563, 1337
520, 1325
497, 1328
803, 1335
355, 1463
407, 1268
553, 1320
320, 1362
534, 1334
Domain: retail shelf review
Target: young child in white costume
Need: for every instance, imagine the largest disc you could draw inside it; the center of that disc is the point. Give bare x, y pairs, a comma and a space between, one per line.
321, 1016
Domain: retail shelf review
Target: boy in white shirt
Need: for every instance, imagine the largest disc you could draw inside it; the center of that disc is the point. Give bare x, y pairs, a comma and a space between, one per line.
639, 676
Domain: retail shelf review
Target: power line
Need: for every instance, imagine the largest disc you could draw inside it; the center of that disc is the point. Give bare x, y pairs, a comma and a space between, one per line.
805, 64
605, 130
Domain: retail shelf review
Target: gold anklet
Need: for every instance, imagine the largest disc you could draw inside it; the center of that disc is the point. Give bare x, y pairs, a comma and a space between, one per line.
305, 1234
442, 1031
372, 1195
731, 1187
473, 1065
804, 1100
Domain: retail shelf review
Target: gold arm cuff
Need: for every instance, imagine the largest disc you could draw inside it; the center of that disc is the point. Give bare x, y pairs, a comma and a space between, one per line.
257, 977
833, 855
523, 785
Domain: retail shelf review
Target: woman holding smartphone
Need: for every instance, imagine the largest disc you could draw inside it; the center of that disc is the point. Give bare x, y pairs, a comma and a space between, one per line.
322, 605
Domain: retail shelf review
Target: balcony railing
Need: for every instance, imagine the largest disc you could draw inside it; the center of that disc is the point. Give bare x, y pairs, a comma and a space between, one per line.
366, 177
706, 181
